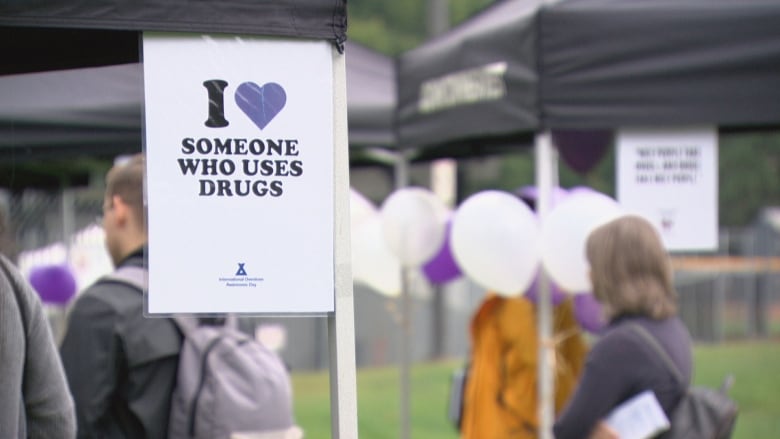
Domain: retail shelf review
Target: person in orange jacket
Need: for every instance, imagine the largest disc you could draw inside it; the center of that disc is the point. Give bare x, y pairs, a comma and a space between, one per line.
500, 399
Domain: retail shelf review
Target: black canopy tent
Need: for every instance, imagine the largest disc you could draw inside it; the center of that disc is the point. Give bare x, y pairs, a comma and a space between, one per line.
472, 90
589, 65
68, 113
45, 35
97, 110
371, 104
613, 63
318, 19
71, 82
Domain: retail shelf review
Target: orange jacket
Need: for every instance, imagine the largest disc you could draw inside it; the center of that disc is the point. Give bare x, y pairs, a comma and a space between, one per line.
500, 400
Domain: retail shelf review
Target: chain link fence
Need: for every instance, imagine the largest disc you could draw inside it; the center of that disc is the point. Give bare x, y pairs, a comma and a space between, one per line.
49, 228
733, 293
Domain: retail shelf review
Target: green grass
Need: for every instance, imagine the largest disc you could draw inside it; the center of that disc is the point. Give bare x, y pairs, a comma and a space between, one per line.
755, 366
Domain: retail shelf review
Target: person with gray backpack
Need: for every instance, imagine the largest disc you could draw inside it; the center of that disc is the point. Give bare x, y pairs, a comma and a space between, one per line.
632, 279
121, 366
229, 385
140, 377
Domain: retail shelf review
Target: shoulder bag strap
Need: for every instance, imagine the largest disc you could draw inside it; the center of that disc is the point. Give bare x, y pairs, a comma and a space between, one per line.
136, 277
659, 350
130, 275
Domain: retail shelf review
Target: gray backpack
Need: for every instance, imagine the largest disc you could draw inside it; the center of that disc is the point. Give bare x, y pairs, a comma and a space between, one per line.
702, 413
228, 383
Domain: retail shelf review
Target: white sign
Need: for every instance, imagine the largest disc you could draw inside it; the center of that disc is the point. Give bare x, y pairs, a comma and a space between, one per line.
239, 147
670, 176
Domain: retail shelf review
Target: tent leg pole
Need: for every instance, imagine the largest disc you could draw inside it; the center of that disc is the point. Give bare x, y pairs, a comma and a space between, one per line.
341, 323
402, 181
546, 176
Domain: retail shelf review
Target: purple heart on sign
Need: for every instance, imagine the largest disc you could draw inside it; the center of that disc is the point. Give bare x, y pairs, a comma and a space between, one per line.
261, 104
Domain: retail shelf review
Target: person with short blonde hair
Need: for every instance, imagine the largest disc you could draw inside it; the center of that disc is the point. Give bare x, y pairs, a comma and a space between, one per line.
632, 278
124, 215
121, 365
126, 181
630, 270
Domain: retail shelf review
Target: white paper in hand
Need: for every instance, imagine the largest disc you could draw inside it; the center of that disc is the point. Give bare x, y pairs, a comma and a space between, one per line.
640, 417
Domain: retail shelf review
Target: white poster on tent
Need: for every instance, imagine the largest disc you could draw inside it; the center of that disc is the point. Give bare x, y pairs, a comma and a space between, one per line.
670, 176
239, 146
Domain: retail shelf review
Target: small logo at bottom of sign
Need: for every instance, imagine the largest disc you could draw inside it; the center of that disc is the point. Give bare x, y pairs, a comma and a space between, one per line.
241, 278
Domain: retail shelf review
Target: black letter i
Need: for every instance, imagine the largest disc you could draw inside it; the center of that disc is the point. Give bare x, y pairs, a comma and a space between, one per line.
216, 88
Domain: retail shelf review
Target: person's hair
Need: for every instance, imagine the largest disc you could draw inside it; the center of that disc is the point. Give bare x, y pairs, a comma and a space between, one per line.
126, 180
630, 269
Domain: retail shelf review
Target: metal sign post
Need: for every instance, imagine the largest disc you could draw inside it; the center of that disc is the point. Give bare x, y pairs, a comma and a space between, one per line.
341, 323
546, 176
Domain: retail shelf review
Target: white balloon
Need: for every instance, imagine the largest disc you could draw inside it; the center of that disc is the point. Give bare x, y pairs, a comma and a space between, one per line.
564, 233
494, 240
372, 262
413, 221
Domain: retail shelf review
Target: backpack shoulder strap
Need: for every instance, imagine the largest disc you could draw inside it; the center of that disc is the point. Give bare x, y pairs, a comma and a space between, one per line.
659, 350
136, 277
129, 275
186, 324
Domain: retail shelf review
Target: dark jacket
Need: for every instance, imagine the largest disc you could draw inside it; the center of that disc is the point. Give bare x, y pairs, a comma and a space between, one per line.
121, 366
623, 364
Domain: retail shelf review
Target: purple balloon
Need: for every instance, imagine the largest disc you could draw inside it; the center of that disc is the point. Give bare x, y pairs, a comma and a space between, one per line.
582, 150
442, 268
587, 311
55, 284
532, 293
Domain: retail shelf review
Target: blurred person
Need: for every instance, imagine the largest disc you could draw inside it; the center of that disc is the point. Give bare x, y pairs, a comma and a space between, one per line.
632, 278
7, 246
501, 397
121, 366
34, 398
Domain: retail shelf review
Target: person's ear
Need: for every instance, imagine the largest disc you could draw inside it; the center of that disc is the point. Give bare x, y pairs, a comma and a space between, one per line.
121, 209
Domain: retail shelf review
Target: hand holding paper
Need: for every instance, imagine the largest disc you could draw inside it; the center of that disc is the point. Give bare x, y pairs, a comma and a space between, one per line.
640, 417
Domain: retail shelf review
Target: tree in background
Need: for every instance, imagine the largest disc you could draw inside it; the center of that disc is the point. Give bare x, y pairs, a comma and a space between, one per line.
749, 176
393, 26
